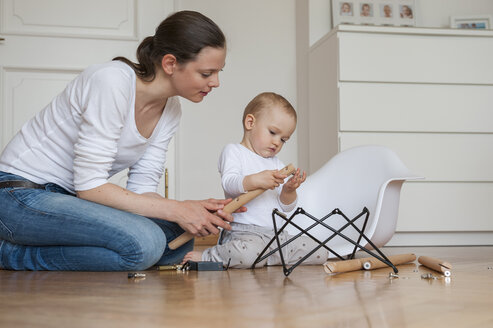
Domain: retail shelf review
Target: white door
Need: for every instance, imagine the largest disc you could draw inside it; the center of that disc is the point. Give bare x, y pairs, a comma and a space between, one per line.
44, 44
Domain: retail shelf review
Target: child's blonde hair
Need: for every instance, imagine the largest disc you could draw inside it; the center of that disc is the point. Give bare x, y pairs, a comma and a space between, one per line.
266, 100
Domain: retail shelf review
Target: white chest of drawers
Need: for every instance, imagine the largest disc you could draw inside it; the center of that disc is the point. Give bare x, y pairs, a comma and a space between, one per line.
428, 95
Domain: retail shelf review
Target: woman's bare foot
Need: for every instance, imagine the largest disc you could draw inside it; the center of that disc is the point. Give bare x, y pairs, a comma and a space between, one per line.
192, 256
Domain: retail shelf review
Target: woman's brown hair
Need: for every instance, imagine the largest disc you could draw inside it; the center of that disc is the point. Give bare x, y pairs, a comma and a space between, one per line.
183, 34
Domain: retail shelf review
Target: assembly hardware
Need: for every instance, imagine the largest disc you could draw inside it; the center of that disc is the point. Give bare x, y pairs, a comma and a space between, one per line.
428, 276
136, 275
176, 267
393, 275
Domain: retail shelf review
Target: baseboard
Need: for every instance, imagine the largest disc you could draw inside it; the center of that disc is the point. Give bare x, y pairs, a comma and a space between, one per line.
472, 238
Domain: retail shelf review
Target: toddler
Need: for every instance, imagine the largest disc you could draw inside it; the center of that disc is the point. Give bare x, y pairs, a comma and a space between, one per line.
269, 120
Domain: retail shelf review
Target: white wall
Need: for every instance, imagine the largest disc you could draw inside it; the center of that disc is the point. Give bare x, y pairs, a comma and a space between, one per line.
429, 13
320, 19
261, 57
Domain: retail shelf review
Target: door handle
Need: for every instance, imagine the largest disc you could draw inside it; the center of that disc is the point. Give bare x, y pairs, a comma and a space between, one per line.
2, 39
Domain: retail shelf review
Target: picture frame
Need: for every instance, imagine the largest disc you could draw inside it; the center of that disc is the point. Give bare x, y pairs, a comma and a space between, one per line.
480, 22
374, 12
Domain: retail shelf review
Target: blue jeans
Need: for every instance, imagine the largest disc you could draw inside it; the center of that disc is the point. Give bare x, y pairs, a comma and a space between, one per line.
51, 229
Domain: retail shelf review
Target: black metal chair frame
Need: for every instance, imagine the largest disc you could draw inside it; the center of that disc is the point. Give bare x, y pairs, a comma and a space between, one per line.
365, 213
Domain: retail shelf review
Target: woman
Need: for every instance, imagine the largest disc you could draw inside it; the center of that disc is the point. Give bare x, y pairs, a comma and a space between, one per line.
57, 209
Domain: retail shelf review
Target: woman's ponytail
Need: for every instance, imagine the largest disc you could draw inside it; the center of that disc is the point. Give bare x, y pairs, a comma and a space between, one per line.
183, 34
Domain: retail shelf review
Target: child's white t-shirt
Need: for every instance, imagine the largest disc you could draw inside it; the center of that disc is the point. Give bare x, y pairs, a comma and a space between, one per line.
236, 162
88, 133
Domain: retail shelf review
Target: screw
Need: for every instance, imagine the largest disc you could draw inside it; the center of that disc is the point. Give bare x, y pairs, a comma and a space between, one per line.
428, 276
136, 275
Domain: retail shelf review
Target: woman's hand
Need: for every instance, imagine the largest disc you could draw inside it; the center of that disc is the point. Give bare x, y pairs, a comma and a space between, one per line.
203, 217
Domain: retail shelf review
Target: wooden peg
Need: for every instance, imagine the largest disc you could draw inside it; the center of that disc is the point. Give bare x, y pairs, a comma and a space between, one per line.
367, 263
230, 207
436, 264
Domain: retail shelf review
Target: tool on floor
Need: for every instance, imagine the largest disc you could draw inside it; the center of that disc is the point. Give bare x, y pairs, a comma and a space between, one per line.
169, 267
203, 266
230, 207
436, 264
136, 275
368, 263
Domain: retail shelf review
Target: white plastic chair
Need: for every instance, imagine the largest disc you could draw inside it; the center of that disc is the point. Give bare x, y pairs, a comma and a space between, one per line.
365, 176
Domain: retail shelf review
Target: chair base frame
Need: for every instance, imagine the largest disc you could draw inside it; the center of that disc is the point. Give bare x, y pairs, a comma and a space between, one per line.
365, 214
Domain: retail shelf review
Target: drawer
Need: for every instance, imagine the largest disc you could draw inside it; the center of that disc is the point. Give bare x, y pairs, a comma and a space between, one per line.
415, 107
436, 156
440, 207
382, 57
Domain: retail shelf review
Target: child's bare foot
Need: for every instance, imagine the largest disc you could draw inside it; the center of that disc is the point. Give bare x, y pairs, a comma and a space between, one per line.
192, 256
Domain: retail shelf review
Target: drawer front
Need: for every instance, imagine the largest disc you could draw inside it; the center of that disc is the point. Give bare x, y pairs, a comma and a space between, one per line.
415, 107
436, 156
415, 58
447, 207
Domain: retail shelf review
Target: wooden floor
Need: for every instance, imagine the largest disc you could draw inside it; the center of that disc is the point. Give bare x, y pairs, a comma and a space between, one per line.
261, 298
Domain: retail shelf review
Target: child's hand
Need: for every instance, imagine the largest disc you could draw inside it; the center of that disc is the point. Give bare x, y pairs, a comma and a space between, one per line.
295, 181
268, 179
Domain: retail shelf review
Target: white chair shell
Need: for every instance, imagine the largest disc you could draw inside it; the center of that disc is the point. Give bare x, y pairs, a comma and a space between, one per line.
364, 176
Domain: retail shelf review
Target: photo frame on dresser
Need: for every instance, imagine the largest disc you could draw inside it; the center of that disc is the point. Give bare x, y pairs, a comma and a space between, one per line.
481, 22
374, 12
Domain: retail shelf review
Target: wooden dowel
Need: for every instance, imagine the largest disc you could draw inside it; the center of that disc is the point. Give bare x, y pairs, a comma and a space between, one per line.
373, 263
343, 266
436, 264
230, 207
368, 263
180, 240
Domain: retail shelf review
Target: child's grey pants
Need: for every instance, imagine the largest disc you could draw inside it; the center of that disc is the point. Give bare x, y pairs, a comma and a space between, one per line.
245, 242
